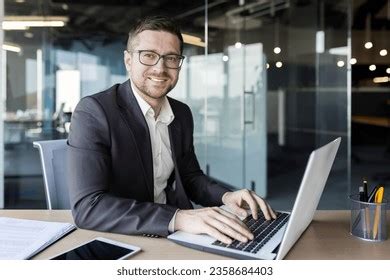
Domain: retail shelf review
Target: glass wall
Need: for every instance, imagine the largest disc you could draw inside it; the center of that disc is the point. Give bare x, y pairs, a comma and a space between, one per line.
48, 69
264, 82
272, 86
308, 94
2, 89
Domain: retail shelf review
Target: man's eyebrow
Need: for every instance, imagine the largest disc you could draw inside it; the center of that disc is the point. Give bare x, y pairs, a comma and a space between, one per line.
172, 53
152, 50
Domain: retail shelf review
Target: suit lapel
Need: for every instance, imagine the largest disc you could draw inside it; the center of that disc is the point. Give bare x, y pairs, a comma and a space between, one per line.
177, 197
175, 137
135, 120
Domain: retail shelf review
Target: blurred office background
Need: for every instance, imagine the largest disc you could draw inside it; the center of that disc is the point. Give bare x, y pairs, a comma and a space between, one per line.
267, 81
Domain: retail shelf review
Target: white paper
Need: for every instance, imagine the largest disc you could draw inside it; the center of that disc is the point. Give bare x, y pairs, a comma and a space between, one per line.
20, 239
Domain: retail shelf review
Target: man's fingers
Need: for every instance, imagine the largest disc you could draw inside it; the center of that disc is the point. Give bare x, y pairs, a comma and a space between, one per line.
225, 229
238, 210
216, 222
212, 231
273, 214
250, 200
233, 222
228, 214
267, 211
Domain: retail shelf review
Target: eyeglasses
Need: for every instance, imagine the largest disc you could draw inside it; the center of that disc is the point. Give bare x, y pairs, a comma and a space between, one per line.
151, 58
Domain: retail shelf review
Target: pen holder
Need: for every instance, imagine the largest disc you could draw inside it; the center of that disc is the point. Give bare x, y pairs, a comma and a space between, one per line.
368, 220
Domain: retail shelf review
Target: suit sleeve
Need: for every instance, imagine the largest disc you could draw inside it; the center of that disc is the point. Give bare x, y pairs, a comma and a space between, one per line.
200, 188
89, 169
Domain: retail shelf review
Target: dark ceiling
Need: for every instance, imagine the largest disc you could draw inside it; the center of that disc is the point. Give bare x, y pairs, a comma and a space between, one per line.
110, 19
107, 21
379, 11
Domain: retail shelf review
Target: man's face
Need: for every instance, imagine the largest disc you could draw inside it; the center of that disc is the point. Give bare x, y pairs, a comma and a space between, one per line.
153, 81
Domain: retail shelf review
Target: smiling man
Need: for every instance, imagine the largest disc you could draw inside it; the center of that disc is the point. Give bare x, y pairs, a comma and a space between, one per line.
131, 160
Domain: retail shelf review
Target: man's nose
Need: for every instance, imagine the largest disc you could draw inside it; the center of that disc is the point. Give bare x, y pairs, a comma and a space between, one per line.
160, 64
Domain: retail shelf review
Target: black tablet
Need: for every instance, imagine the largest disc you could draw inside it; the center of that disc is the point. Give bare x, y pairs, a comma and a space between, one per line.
99, 249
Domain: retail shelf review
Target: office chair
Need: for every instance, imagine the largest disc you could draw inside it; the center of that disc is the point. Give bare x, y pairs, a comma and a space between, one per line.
53, 159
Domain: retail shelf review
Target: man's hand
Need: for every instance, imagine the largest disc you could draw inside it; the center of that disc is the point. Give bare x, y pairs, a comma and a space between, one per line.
241, 200
213, 221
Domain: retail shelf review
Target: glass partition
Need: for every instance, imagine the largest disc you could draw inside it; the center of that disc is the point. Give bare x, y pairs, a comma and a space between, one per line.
308, 87
2, 90
266, 84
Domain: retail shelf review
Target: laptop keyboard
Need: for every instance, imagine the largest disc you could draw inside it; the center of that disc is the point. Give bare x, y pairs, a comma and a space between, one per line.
262, 229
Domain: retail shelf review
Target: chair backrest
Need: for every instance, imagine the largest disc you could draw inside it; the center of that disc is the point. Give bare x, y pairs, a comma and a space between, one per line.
53, 159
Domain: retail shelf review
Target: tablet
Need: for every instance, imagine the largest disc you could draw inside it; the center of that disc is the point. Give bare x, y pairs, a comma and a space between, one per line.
99, 249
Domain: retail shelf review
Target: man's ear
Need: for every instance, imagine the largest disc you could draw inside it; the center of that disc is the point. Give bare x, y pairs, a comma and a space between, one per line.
127, 59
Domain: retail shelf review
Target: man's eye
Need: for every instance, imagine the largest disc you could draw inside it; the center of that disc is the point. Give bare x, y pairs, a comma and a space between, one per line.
171, 58
149, 55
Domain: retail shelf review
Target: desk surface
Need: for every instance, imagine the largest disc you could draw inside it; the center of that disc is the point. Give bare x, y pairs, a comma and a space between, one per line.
326, 238
371, 120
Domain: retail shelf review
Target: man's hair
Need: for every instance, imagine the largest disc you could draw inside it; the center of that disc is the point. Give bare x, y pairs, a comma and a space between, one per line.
156, 23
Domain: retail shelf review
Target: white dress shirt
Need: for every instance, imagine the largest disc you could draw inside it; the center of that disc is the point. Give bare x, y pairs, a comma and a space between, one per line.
161, 147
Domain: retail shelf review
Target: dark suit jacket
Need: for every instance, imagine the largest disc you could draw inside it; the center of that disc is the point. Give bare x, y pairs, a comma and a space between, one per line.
110, 166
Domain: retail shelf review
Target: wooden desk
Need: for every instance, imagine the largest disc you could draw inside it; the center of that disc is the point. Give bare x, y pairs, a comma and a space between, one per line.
326, 238
371, 120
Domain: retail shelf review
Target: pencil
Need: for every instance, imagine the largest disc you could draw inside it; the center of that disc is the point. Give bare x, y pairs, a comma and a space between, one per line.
378, 199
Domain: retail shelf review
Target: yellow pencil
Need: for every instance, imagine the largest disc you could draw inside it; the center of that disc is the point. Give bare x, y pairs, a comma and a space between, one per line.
378, 199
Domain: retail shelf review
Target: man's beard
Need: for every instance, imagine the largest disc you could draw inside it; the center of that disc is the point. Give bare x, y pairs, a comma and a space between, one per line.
148, 91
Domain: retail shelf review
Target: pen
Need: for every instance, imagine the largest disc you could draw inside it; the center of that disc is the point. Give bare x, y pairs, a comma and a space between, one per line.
361, 194
365, 190
371, 196
366, 222
364, 198
378, 199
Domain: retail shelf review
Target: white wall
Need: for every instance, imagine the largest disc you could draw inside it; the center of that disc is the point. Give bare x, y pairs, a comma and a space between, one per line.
67, 89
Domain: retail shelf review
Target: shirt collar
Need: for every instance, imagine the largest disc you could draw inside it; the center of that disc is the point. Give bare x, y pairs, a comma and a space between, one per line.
166, 114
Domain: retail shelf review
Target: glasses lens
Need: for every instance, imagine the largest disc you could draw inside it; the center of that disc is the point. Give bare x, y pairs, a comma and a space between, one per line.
148, 57
173, 61
151, 58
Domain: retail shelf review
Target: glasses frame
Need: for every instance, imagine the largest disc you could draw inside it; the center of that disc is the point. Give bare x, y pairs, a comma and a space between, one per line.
182, 57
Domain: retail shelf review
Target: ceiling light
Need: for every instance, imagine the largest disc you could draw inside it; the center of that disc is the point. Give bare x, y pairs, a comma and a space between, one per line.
225, 58
340, 63
28, 35
20, 25
368, 45
320, 41
381, 80
267, 65
388, 70
193, 40
339, 50
7, 26
372, 67
238, 45
12, 47
278, 64
383, 52
353, 60
24, 22
277, 49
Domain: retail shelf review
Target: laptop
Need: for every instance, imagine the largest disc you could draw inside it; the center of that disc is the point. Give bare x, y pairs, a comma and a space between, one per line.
273, 239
